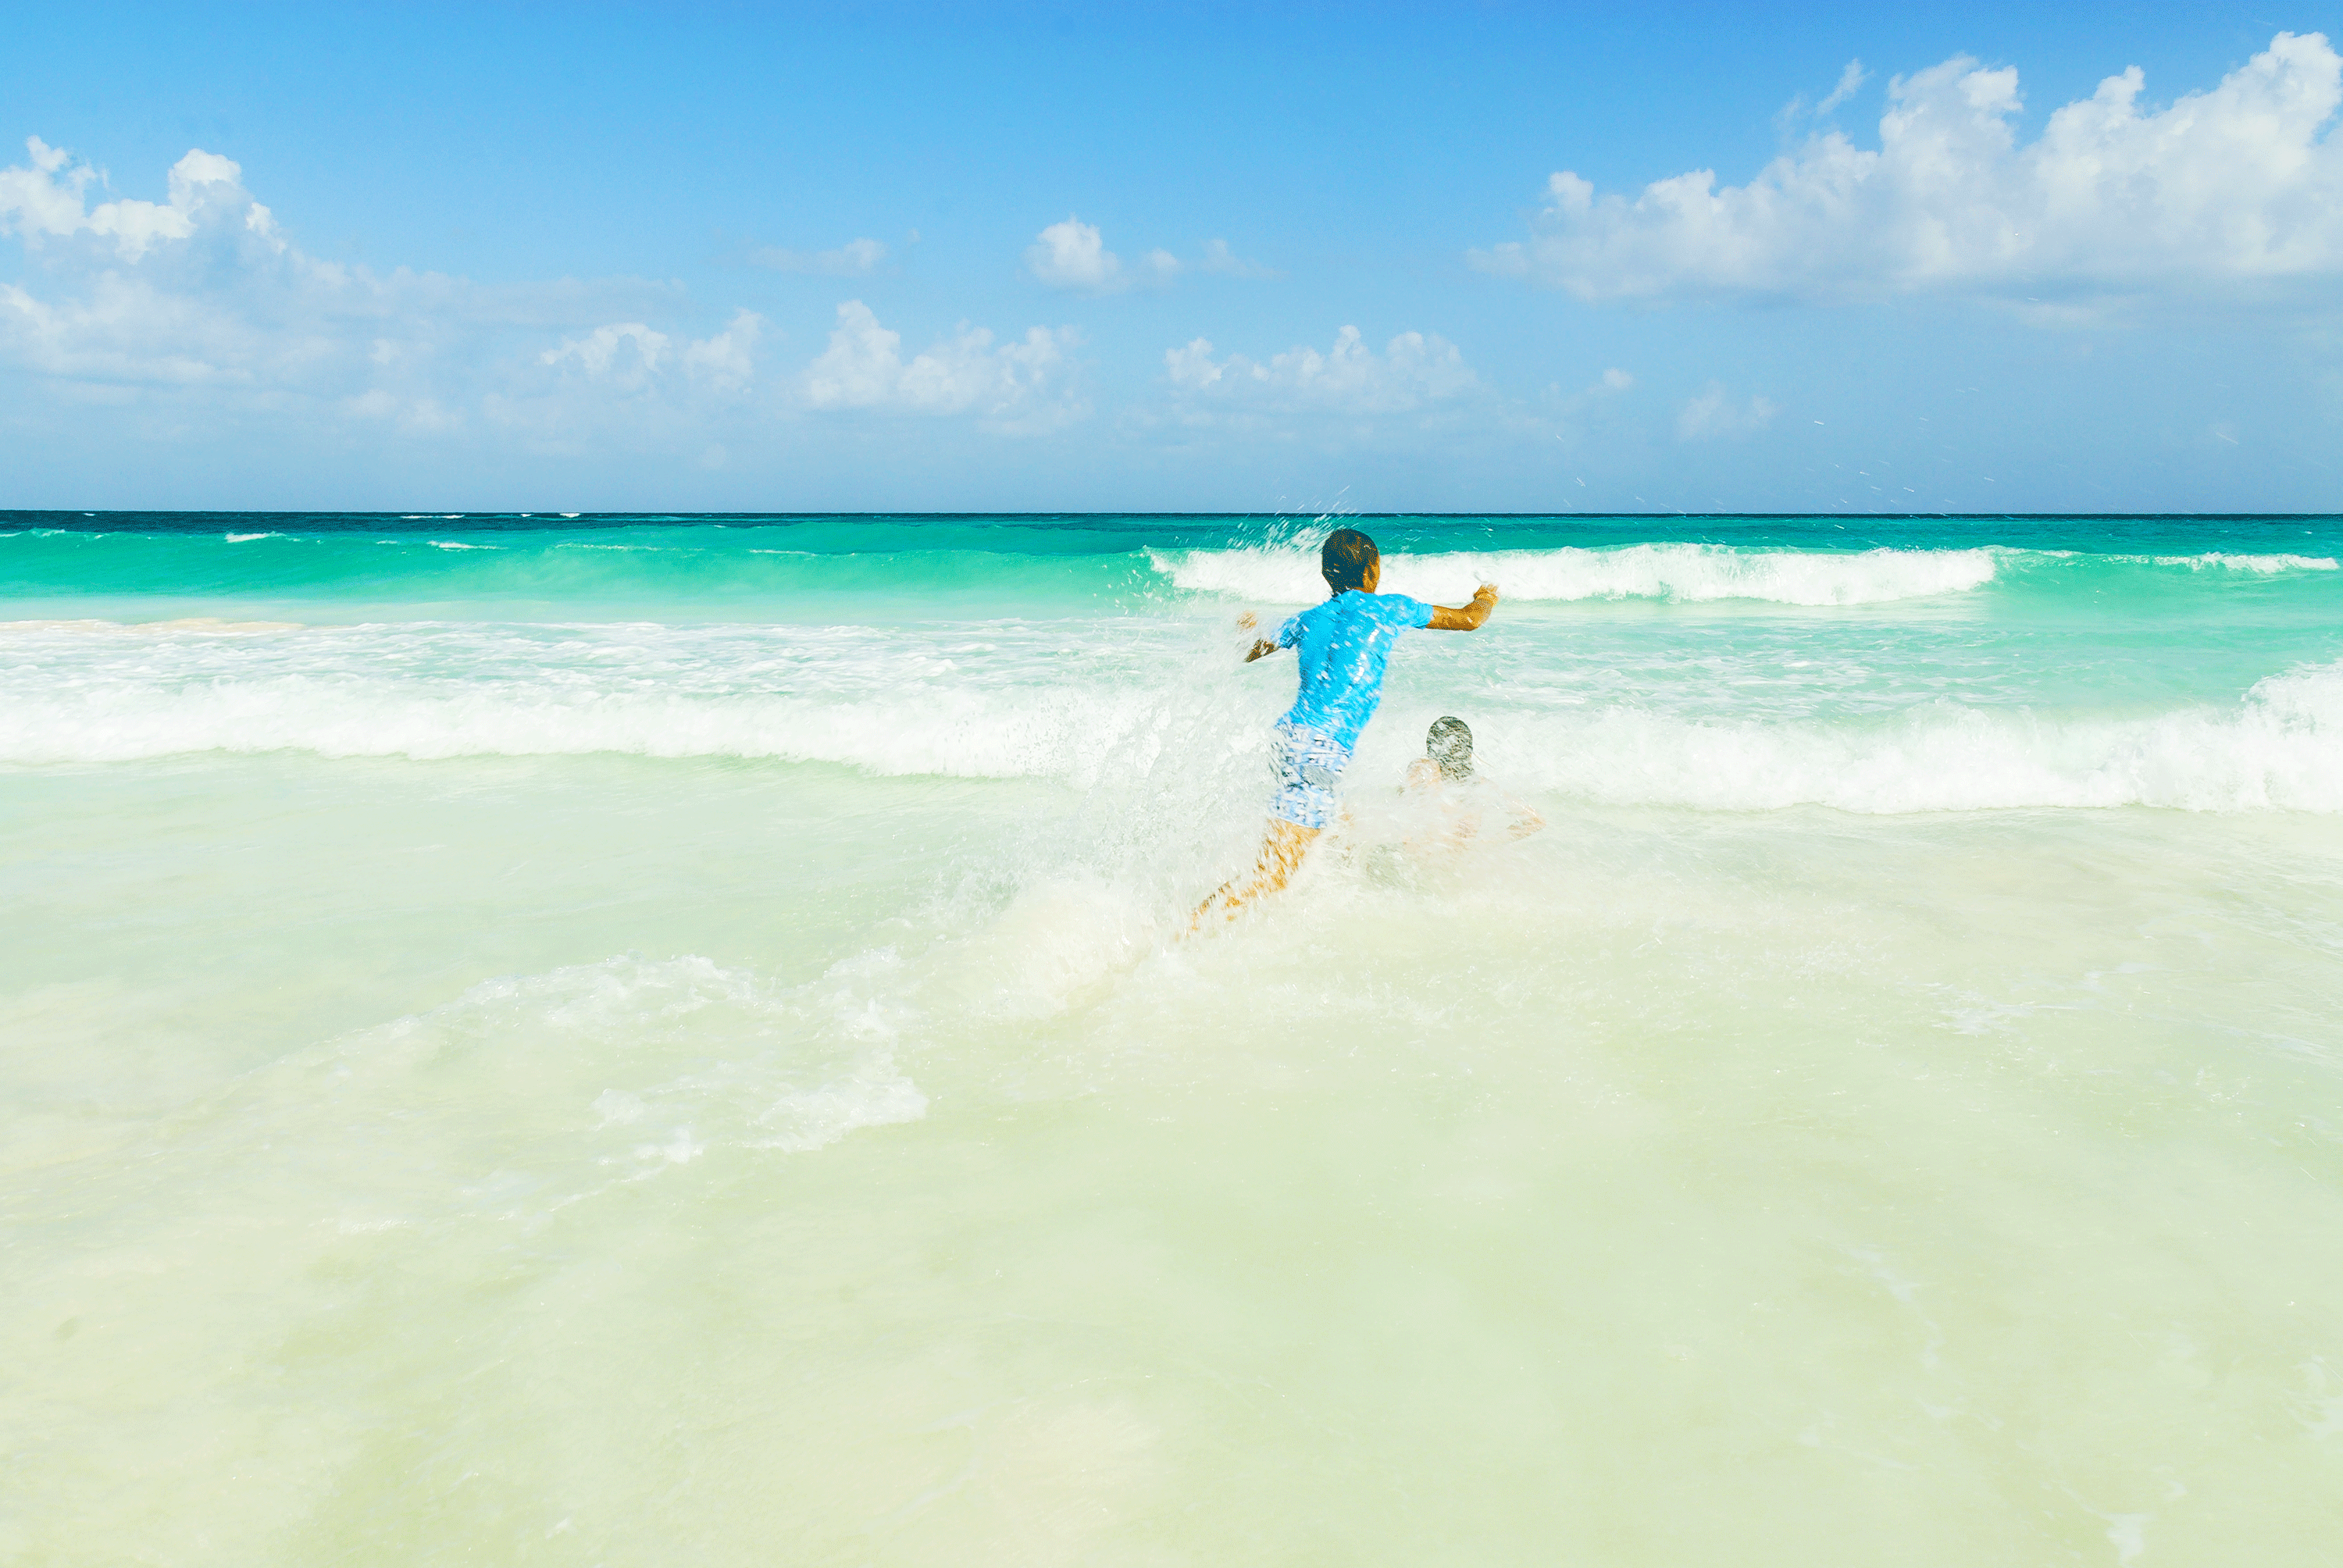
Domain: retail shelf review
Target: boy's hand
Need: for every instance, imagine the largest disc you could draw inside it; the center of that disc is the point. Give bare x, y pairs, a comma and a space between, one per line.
1468, 618
1262, 646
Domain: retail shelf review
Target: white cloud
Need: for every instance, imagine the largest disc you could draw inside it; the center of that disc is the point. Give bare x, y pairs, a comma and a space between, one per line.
1015, 387
726, 361
44, 200
1854, 76
1218, 259
1714, 413
855, 258
632, 355
1614, 380
1074, 256
201, 303
204, 295
1413, 370
2221, 188
598, 350
1798, 110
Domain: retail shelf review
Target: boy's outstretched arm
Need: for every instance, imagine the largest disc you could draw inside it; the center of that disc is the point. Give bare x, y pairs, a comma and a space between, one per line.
1471, 617
1262, 646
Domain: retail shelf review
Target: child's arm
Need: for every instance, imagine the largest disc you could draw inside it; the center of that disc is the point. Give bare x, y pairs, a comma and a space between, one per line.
1525, 821
1262, 647
1471, 617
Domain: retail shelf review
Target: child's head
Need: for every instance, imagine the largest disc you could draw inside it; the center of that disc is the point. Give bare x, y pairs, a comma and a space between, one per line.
1349, 560
1450, 746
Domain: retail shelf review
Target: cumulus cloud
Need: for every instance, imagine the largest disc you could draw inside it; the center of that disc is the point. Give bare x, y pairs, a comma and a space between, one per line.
201, 303
202, 294
1014, 387
45, 199
726, 361
200, 291
600, 348
1714, 413
2237, 185
1413, 371
632, 355
855, 258
1074, 256
1218, 259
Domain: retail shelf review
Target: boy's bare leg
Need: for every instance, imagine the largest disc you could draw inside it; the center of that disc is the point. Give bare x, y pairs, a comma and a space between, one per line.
1280, 856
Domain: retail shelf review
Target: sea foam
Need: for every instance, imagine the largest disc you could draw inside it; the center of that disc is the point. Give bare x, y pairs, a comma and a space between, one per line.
1036, 733
641, 1064
2280, 748
210, 626
1684, 573
2265, 566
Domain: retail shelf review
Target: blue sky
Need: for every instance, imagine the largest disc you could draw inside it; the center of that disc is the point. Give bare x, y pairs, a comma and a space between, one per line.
1170, 257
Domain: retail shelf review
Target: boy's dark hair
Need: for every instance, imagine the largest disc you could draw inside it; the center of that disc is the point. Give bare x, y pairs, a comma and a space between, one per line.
1344, 561
1450, 746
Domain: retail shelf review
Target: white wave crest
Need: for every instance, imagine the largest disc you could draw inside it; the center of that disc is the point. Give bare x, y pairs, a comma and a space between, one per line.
2263, 565
2281, 748
201, 625
1143, 709
1031, 734
1684, 573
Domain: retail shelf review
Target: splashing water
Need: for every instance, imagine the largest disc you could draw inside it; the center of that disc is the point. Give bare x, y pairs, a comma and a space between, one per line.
623, 1039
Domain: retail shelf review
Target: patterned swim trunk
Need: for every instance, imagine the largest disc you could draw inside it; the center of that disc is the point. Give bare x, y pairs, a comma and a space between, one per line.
1309, 770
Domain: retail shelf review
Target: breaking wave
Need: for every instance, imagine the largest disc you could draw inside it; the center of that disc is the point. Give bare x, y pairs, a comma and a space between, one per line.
1680, 572
1675, 572
2279, 747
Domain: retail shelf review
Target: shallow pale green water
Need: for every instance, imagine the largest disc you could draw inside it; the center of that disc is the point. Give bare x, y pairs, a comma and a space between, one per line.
695, 1070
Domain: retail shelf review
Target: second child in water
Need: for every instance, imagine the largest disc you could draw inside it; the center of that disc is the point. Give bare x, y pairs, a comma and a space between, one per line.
1458, 798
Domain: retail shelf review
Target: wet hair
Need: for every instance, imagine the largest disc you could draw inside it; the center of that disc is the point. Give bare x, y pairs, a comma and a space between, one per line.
1450, 746
1345, 560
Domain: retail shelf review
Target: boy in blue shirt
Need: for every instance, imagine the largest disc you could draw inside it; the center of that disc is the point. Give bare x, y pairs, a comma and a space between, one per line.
1343, 645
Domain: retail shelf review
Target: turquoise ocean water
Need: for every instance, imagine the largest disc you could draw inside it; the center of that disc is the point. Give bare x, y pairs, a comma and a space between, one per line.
657, 1039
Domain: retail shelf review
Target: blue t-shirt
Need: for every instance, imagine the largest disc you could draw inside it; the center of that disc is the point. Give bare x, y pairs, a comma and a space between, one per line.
1343, 645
